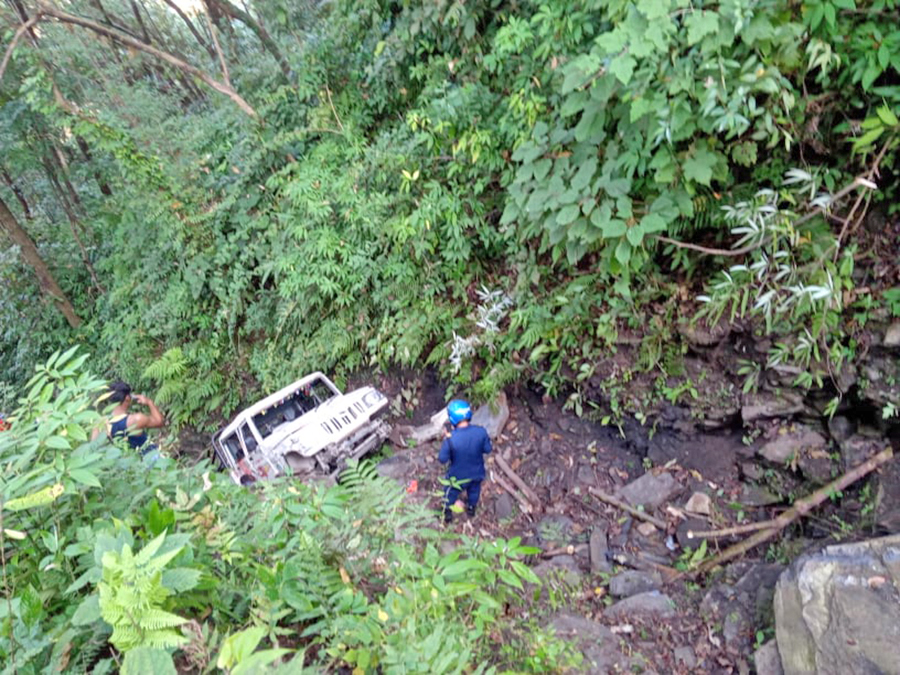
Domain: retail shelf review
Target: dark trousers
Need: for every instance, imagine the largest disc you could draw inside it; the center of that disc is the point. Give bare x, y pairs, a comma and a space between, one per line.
472, 489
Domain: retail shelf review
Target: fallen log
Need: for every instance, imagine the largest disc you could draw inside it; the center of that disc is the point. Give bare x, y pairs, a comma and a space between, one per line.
530, 494
619, 504
800, 508
502, 482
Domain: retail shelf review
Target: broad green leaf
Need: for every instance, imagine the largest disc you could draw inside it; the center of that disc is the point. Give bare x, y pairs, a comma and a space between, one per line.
584, 174
886, 115
145, 660
58, 443
239, 646
614, 228
622, 68
700, 24
42, 497
88, 611
699, 166
623, 252
84, 477
653, 222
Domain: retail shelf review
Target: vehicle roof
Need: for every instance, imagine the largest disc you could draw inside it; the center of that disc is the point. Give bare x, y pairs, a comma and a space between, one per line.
273, 400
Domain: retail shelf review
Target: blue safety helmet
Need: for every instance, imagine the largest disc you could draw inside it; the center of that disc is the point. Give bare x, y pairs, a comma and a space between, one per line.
458, 411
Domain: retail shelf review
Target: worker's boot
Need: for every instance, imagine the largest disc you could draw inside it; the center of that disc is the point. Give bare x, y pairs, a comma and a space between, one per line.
448, 515
470, 510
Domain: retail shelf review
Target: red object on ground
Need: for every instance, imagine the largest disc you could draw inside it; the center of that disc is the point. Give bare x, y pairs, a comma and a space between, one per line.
413, 486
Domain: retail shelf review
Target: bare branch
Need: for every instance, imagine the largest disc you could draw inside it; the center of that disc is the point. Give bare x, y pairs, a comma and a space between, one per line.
24, 28
215, 38
100, 29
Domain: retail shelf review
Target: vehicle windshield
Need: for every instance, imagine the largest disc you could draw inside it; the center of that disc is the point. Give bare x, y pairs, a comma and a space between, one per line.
295, 405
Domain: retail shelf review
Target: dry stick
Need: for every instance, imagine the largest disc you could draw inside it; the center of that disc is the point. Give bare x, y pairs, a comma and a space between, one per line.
563, 550
801, 507
501, 481
521, 484
870, 174
728, 531
640, 515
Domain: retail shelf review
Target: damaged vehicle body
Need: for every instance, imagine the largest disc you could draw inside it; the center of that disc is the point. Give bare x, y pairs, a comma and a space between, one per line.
308, 429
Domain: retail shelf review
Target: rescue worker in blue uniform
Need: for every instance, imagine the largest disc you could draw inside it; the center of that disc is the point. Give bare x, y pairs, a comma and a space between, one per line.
464, 448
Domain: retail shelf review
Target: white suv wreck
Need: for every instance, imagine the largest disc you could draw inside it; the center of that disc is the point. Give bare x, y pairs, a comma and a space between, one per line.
308, 429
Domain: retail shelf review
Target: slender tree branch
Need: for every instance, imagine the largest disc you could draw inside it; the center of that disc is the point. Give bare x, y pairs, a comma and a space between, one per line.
100, 29
732, 252
191, 27
212, 30
24, 28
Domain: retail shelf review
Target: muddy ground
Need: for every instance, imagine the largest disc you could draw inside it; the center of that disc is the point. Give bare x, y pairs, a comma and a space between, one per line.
605, 570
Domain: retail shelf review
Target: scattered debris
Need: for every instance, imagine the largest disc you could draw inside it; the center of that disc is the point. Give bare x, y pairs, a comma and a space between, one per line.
619, 504
699, 503
650, 490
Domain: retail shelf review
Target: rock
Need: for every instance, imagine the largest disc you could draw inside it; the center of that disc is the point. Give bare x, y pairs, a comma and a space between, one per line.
699, 503
764, 405
597, 643
503, 507
892, 335
598, 548
752, 470
646, 529
754, 495
561, 567
631, 582
882, 375
650, 490
585, 475
767, 660
817, 466
841, 428
555, 530
858, 449
701, 334
838, 611
685, 526
792, 443
743, 605
684, 656
649, 604
398, 467
493, 417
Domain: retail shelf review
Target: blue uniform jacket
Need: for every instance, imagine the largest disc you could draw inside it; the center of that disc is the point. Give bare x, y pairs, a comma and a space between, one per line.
465, 450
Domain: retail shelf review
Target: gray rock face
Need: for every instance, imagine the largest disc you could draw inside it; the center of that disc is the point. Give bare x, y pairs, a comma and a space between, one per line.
503, 507
596, 642
794, 443
631, 582
858, 449
649, 604
892, 335
398, 467
767, 660
764, 405
493, 417
743, 605
650, 490
684, 656
598, 549
561, 567
841, 428
838, 611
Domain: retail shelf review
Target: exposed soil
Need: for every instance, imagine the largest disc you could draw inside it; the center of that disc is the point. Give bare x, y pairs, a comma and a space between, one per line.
715, 628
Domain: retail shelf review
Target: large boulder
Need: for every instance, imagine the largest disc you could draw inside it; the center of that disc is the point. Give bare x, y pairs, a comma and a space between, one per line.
763, 405
597, 643
838, 611
650, 490
494, 416
793, 442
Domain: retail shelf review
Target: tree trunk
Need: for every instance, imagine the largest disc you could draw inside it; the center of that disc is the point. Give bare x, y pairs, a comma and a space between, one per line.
33, 259
74, 224
17, 191
192, 28
237, 13
137, 15
86, 152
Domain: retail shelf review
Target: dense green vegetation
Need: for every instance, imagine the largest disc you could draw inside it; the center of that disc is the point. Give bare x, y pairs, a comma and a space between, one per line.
215, 202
